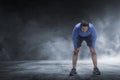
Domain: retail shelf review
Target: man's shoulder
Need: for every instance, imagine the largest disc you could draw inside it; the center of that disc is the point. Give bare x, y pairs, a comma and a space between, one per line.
77, 25
91, 25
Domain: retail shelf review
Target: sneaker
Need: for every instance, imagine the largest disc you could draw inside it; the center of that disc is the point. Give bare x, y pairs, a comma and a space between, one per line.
96, 71
73, 71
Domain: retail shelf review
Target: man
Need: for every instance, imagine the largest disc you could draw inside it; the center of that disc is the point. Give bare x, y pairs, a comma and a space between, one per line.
84, 31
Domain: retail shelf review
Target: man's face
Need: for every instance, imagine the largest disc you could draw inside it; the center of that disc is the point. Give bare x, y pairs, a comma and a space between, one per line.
84, 28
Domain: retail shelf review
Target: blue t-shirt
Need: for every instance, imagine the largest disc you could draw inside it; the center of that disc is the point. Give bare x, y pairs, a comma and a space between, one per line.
77, 31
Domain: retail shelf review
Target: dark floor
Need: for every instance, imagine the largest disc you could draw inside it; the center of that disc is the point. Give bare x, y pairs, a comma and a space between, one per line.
56, 70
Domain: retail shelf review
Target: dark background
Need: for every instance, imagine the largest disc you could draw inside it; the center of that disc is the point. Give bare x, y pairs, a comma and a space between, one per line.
33, 29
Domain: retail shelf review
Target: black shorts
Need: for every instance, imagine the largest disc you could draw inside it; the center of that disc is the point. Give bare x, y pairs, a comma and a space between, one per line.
87, 39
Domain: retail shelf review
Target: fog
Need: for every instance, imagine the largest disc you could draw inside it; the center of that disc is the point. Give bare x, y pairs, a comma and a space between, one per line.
56, 44
42, 34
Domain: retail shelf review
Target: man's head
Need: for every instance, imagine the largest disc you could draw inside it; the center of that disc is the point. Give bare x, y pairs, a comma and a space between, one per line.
84, 26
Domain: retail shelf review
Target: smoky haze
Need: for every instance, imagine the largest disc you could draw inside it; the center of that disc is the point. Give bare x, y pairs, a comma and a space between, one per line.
44, 32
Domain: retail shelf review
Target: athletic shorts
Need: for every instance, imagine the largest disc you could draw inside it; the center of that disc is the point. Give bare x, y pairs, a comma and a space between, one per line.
87, 39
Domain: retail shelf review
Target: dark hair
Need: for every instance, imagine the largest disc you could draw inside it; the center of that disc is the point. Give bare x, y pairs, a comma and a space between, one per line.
84, 23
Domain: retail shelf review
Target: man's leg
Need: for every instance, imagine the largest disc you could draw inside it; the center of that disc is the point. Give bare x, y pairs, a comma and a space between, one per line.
94, 59
75, 57
74, 61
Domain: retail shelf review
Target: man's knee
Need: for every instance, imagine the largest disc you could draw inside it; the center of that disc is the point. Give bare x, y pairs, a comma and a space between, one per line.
92, 50
76, 51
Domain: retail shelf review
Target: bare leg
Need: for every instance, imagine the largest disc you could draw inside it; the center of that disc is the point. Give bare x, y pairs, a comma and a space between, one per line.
75, 57
94, 57
74, 61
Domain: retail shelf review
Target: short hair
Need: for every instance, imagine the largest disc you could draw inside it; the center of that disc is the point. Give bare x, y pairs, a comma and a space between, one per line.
84, 23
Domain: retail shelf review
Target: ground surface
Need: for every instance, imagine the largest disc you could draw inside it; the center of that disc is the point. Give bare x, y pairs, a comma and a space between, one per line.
56, 70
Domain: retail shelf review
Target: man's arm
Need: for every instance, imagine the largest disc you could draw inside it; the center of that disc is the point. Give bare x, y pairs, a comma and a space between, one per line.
94, 35
74, 36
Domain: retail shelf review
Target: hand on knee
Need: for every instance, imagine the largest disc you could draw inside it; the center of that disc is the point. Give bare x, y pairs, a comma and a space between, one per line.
92, 50
76, 51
